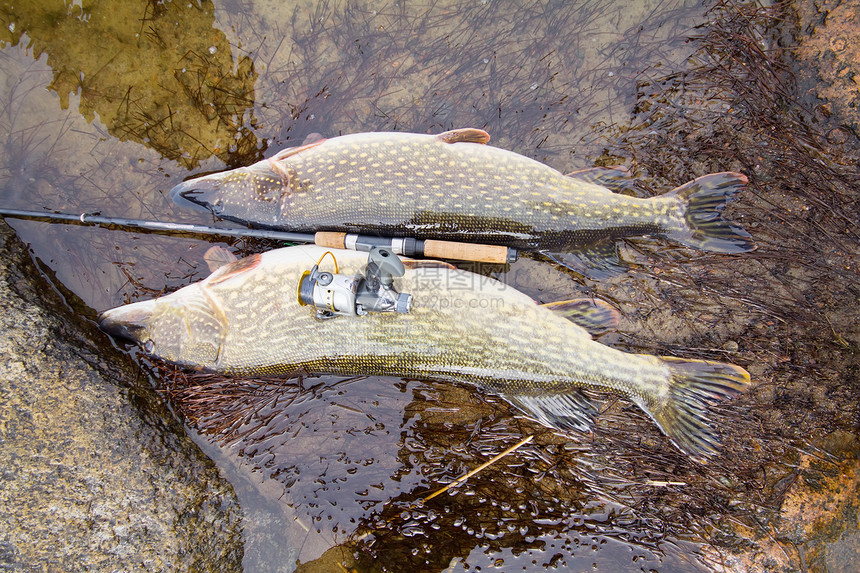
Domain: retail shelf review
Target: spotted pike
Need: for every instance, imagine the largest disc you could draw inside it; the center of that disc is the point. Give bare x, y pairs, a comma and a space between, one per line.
453, 186
245, 319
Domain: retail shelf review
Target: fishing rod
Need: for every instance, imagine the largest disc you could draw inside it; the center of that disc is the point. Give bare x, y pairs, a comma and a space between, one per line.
405, 246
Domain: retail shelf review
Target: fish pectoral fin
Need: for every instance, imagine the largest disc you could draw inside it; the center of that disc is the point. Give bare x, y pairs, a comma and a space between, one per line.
233, 268
287, 176
290, 151
594, 315
569, 411
465, 135
616, 179
313, 137
596, 261
217, 257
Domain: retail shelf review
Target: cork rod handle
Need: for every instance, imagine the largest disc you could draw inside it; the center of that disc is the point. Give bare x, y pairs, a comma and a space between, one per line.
465, 252
330, 239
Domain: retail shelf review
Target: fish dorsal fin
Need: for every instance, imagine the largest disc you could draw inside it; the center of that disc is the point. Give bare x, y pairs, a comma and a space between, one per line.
290, 151
426, 264
616, 178
570, 411
467, 135
233, 269
217, 257
594, 315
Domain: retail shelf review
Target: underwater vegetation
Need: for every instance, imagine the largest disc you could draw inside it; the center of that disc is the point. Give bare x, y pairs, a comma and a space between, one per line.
157, 73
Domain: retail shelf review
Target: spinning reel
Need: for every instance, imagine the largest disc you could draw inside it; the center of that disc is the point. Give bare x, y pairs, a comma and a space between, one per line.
332, 294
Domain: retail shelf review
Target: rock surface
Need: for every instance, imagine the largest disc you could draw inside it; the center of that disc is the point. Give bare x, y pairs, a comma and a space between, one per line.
96, 475
829, 62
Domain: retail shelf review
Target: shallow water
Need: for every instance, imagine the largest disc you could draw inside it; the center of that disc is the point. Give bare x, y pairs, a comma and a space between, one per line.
106, 108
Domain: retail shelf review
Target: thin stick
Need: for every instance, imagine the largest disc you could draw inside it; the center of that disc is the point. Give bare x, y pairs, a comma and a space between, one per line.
460, 480
95, 219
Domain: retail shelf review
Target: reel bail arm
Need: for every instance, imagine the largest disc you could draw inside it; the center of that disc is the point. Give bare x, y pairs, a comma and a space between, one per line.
333, 294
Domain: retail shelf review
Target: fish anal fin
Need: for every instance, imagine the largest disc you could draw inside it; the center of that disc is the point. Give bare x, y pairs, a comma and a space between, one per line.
290, 151
597, 261
233, 269
465, 135
616, 179
594, 315
572, 410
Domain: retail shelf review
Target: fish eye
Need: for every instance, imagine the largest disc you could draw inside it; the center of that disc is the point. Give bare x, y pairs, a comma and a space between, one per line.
148, 346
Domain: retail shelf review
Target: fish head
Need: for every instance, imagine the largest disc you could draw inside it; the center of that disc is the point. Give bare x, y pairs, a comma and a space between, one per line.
169, 329
248, 194
130, 322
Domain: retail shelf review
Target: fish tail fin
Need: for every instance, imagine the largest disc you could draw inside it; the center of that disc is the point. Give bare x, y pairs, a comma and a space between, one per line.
703, 201
682, 414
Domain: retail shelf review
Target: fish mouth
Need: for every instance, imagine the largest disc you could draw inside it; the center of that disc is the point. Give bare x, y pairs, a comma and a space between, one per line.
130, 322
200, 194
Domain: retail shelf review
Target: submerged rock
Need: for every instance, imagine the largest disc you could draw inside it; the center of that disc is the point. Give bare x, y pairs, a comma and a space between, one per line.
828, 64
821, 511
95, 473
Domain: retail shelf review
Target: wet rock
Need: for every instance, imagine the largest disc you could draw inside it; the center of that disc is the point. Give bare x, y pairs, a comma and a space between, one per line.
95, 473
817, 525
821, 510
829, 62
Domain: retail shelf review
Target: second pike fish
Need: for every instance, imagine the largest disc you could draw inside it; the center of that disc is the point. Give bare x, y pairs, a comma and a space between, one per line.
245, 319
453, 186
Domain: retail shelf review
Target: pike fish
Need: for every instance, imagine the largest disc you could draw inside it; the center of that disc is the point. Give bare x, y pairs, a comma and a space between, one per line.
453, 186
245, 320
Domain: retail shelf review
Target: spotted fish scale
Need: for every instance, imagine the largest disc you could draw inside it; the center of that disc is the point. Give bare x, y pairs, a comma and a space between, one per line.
245, 319
454, 186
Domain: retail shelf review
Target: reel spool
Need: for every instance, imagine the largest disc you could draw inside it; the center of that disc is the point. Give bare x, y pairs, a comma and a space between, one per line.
333, 294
